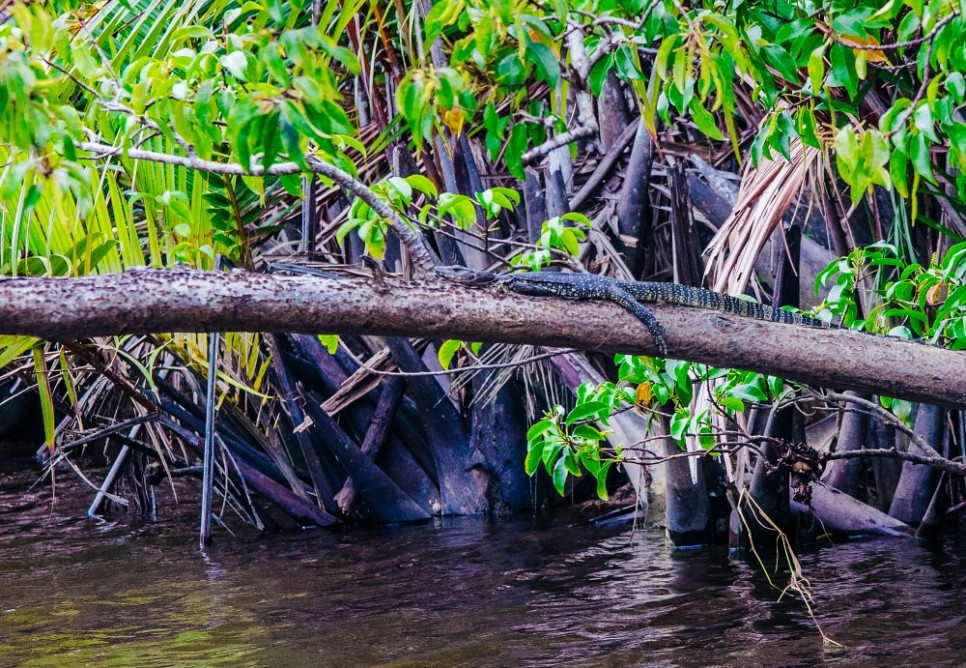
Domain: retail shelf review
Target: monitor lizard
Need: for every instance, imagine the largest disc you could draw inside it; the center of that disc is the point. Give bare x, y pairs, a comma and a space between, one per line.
629, 294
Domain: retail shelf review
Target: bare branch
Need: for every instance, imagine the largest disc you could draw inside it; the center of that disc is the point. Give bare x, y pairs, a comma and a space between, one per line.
886, 418
941, 463
562, 139
413, 240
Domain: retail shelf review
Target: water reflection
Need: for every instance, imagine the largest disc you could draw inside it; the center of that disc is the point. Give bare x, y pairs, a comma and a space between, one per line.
455, 593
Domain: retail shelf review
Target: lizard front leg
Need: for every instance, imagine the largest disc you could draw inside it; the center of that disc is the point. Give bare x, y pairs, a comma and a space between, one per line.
643, 313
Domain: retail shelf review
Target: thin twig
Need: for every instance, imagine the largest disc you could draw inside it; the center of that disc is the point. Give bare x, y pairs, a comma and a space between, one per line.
446, 372
897, 45
558, 141
940, 463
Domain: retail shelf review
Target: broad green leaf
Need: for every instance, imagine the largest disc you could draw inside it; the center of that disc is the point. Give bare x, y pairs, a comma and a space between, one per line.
544, 62
236, 63
540, 428
704, 120
956, 85
534, 456
816, 68
446, 352
443, 13
602, 480
570, 463
921, 160
423, 185
587, 410
560, 476
460, 207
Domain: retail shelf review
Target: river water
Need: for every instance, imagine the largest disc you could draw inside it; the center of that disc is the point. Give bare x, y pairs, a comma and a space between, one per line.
466, 592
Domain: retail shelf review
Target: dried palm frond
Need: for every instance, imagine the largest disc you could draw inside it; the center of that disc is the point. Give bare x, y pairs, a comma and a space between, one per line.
765, 195
766, 192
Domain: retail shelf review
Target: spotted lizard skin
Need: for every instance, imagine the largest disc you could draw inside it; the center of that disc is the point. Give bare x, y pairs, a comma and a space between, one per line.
630, 295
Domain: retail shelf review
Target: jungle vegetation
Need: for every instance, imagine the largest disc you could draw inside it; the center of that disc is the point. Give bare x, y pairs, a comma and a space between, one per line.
808, 154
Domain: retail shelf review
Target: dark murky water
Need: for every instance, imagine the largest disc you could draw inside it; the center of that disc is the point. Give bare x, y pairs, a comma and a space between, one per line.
75, 592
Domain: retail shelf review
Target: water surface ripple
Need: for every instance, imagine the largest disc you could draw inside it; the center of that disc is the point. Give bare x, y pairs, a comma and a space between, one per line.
467, 592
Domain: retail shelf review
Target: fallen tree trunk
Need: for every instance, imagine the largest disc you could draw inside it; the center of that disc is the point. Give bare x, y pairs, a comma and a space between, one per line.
153, 300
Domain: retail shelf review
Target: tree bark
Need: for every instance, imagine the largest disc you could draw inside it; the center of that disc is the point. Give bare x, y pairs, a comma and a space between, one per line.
386, 501
375, 438
634, 205
687, 509
918, 483
462, 484
152, 300
844, 475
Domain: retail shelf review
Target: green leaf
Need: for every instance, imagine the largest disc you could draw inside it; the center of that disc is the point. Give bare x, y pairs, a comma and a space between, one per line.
921, 162
598, 74
679, 424
704, 120
516, 147
235, 63
534, 456
560, 476
400, 192
423, 185
816, 68
330, 341
602, 480
680, 370
46, 398
664, 55
271, 140
446, 352
544, 61
570, 463
347, 227
292, 144
442, 14
540, 428
924, 122
373, 235
846, 150
914, 316
956, 85
460, 207
589, 458
899, 171
569, 242
587, 432
587, 410
843, 69
749, 392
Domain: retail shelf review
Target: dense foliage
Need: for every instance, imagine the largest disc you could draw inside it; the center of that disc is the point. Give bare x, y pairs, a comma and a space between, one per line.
162, 132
